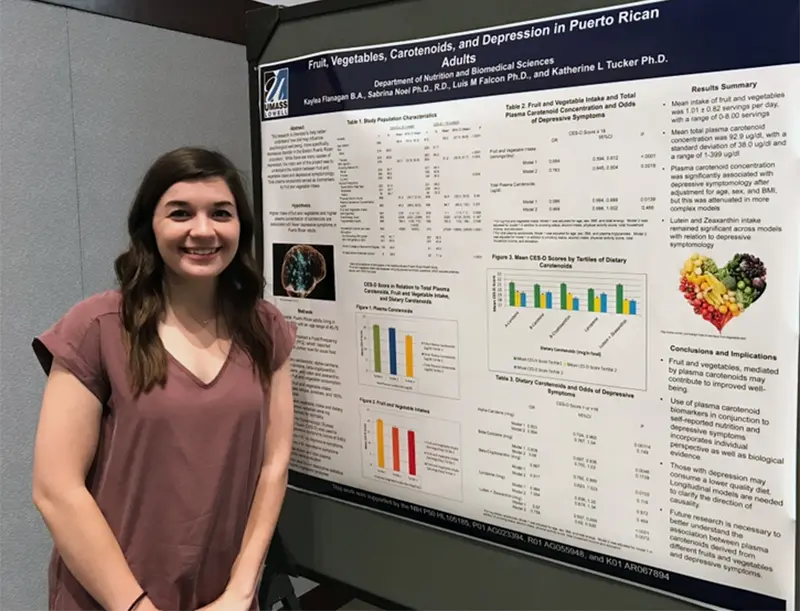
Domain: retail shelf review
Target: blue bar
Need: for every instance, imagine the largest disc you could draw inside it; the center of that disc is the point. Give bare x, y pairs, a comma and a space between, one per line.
575, 304
549, 300
392, 352
603, 302
633, 307
522, 299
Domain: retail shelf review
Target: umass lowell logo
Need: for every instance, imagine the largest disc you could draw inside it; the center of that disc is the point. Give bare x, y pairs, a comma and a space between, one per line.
274, 93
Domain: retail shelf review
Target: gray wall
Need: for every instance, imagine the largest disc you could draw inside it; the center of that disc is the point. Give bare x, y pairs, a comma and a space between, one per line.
86, 103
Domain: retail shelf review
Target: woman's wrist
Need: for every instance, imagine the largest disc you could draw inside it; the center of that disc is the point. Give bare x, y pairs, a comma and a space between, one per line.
238, 596
145, 604
135, 604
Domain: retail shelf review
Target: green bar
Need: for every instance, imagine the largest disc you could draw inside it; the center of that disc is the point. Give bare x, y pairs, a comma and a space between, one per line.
620, 299
511, 294
563, 296
376, 347
591, 300
537, 296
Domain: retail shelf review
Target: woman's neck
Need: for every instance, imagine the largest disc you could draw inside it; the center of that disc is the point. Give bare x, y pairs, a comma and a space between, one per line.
194, 300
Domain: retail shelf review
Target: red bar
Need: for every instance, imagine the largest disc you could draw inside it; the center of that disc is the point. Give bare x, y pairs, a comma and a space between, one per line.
396, 448
412, 454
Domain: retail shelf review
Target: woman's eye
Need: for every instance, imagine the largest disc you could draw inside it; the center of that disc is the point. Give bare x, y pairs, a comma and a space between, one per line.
217, 214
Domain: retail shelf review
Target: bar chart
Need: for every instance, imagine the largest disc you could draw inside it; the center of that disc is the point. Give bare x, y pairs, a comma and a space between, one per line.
414, 452
405, 352
410, 354
572, 292
583, 327
404, 458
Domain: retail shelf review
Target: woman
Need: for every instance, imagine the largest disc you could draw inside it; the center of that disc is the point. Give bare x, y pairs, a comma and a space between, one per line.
163, 444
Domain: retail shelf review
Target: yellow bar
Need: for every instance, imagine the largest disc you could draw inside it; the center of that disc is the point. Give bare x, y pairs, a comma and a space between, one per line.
381, 457
626, 307
517, 299
596, 304
409, 356
542, 301
569, 301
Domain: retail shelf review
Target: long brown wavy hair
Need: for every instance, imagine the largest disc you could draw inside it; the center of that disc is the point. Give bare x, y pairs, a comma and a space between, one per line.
140, 271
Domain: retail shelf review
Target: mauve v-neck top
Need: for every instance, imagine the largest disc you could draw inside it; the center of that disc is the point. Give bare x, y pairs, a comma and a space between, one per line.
176, 469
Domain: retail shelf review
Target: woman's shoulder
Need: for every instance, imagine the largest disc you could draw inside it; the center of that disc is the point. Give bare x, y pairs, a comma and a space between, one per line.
76, 339
95, 306
269, 311
273, 318
282, 331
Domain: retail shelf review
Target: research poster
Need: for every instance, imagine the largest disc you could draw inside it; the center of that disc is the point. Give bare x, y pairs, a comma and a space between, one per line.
546, 282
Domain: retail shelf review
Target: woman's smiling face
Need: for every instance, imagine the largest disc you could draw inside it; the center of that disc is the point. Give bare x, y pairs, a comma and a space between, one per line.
196, 227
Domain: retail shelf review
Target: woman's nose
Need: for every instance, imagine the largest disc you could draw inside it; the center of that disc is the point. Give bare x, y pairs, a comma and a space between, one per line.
202, 226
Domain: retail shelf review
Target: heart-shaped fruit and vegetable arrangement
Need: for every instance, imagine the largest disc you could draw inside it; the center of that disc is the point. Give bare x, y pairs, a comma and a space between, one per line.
719, 294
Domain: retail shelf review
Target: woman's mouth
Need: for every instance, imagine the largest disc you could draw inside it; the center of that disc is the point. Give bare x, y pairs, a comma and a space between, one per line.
201, 252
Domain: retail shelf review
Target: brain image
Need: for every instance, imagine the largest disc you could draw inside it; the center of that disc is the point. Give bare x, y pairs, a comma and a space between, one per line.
302, 270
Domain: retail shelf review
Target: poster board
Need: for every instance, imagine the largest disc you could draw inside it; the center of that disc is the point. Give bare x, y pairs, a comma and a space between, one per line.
672, 431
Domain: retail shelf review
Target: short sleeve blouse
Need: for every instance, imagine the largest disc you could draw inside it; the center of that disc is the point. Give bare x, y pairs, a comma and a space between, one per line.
176, 469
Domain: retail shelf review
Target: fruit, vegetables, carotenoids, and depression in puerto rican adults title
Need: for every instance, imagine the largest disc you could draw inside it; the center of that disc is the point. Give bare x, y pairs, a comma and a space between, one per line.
720, 294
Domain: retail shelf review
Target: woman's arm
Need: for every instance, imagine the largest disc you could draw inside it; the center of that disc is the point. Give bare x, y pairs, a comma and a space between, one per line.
270, 492
66, 442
